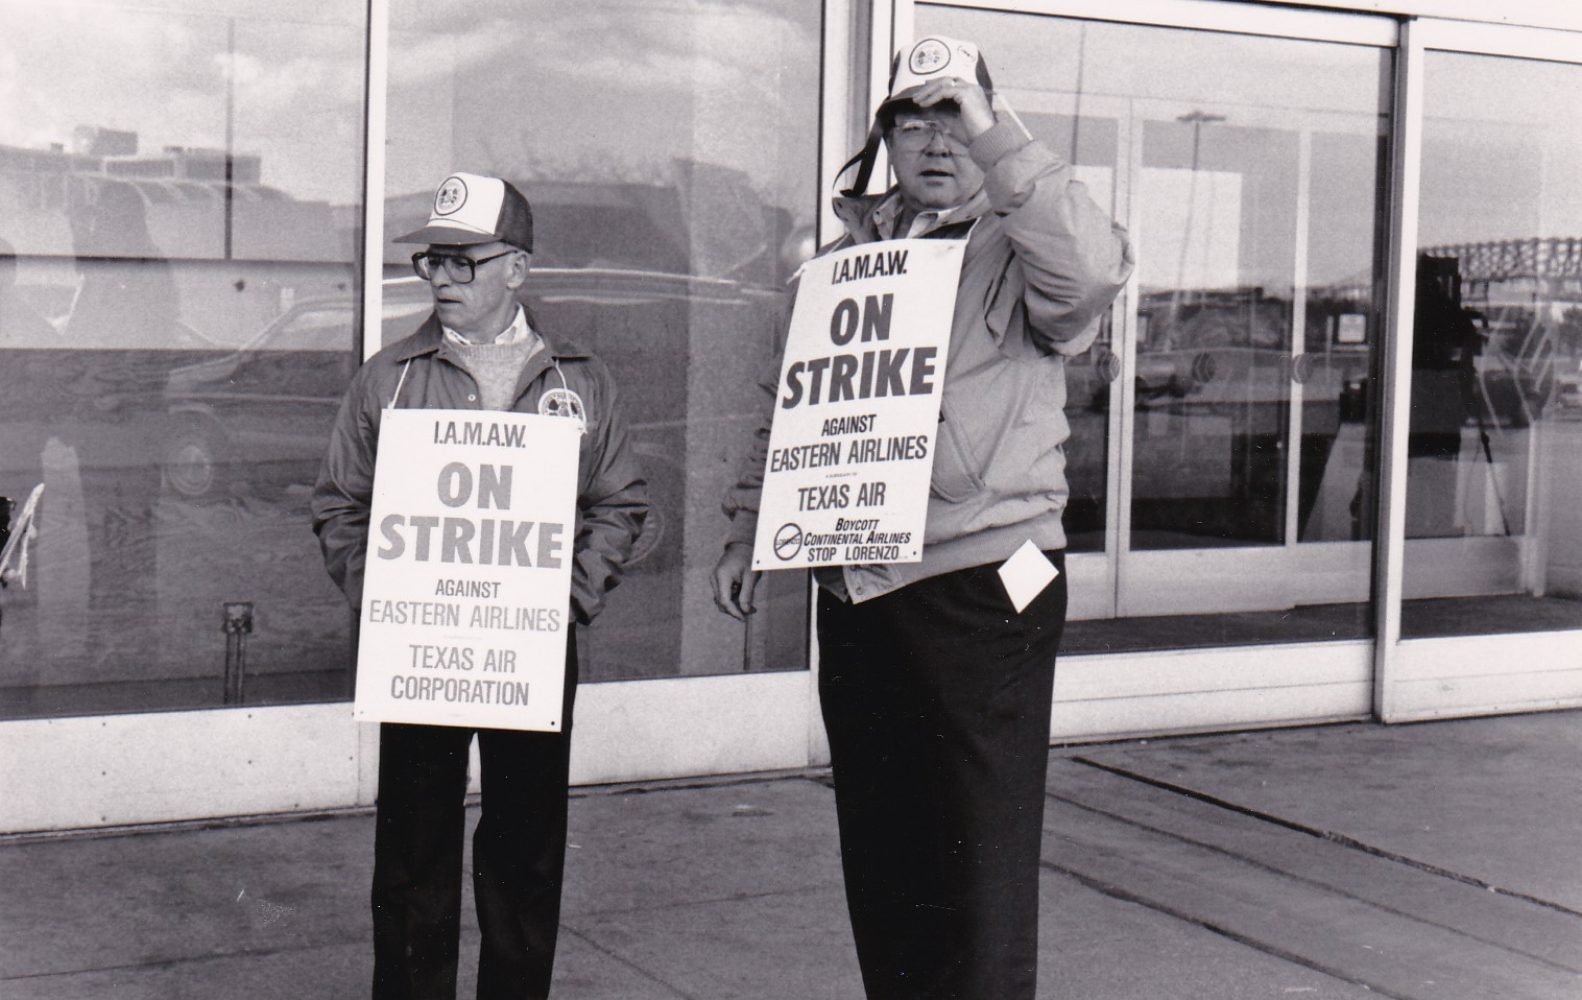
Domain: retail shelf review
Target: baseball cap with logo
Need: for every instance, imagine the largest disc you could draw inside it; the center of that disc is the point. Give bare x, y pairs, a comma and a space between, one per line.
934, 57
471, 208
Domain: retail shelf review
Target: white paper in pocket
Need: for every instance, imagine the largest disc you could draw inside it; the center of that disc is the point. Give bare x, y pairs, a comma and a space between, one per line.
1026, 574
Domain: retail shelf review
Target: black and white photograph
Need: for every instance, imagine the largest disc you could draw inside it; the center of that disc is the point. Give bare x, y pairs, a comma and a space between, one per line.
1165, 418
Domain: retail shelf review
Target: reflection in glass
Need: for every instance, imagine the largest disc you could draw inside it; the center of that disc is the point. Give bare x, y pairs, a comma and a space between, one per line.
671, 170
1090, 144
1213, 371
180, 188
1495, 444
1243, 440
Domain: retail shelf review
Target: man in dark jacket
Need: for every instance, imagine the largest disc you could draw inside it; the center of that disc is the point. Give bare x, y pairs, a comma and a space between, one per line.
477, 350
935, 685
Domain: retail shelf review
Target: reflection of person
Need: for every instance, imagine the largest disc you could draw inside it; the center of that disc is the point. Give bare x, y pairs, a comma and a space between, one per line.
128, 294
477, 350
935, 692
20, 324
1445, 346
123, 321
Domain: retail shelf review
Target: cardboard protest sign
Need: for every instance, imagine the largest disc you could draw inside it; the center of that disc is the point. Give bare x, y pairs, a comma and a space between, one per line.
851, 448
467, 585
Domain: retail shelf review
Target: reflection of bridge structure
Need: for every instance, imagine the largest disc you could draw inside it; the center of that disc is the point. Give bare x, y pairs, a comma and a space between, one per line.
1553, 263
1518, 290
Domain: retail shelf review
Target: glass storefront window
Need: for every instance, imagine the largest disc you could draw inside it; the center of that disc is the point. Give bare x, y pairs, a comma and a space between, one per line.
181, 190
1248, 170
672, 173
1494, 534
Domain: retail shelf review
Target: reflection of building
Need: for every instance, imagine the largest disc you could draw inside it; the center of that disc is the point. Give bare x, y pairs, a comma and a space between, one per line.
197, 198
244, 246
644, 225
95, 140
117, 153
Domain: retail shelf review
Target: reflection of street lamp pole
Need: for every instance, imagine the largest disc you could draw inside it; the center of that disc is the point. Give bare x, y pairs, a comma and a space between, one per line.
1197, 119
1076, 116
230, 126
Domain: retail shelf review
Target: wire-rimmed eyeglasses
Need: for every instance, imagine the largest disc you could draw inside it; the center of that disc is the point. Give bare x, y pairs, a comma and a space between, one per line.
914, 134
459, 268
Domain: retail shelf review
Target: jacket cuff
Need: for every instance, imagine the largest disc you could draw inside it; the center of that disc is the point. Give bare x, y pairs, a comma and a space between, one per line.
743, 529
1004, 138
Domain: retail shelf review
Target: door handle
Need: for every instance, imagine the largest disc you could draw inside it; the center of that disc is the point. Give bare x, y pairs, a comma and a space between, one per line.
1108, 365
1204, 368
1302, 368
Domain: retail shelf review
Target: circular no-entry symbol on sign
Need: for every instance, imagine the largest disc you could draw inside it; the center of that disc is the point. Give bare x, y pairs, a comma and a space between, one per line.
788, 541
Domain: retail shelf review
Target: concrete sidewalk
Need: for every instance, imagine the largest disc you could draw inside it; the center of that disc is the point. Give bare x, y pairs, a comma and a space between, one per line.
1427, 861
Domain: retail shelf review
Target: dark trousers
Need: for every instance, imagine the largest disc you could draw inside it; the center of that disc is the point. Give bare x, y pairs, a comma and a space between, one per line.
518, 852
936, 698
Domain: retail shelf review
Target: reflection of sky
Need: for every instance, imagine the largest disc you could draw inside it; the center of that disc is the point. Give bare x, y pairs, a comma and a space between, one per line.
1026, 50
1193, 229
605, 91
598, 87
1500, 151
162, 74
1262, 92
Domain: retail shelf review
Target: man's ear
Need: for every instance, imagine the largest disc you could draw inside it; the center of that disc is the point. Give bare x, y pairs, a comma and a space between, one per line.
521, 264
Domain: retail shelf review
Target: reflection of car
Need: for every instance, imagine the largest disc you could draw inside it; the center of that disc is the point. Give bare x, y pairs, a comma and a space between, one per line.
260, 414
1214, 379
256, 420
1568, 386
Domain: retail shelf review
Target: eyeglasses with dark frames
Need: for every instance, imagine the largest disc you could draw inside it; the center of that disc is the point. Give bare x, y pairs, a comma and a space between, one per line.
458, 267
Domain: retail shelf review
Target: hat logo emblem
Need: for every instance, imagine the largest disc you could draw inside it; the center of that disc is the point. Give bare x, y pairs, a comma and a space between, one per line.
450, 197
929, 56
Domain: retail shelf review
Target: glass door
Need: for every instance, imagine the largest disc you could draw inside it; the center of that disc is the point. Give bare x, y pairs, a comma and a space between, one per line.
1493, 439
1253, 332
1221, 426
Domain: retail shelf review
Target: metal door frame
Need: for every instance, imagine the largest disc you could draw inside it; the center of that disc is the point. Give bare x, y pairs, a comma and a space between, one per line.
1450, 676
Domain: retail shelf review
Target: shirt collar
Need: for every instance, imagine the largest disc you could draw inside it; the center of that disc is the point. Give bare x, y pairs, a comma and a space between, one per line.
888, 214
430, 337
517, 332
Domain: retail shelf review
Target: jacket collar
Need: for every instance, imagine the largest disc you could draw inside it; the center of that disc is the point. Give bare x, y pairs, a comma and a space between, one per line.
431, 336
858, 212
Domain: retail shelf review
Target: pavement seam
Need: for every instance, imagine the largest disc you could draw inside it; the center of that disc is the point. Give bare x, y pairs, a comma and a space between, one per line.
1328, 835
1305, 880
739, 897
1125, 896
171, 963
812, 775
633, 966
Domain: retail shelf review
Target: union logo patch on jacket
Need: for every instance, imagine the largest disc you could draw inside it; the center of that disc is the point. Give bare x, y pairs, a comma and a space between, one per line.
563, 403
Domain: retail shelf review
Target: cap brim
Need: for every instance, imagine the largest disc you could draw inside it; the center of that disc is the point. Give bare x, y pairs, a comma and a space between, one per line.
446, 236
905, 95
